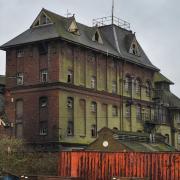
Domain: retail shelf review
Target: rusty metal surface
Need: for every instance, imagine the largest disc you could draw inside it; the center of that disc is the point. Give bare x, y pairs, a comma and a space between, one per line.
105, 166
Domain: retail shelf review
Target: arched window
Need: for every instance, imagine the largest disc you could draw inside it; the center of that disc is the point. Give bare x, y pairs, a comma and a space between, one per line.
138, 87
128, 84
148, 89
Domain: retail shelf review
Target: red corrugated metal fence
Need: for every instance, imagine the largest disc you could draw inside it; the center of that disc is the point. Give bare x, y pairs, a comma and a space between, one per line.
104, 166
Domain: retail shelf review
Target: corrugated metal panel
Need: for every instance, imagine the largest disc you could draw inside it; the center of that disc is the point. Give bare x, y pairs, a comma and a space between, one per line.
104, 166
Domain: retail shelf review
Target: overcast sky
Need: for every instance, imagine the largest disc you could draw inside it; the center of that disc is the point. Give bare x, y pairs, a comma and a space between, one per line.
156, 23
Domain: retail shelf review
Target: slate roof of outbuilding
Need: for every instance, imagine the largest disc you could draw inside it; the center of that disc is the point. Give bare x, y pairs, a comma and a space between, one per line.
161, 78
115, 39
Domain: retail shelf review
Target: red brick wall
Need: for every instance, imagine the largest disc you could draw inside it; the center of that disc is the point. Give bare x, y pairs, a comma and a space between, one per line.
31, 114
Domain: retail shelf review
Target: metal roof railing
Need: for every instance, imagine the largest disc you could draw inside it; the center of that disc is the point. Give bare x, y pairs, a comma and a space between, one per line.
111, 20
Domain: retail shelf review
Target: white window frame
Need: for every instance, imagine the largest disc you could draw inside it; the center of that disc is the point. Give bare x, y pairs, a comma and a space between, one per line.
93, 107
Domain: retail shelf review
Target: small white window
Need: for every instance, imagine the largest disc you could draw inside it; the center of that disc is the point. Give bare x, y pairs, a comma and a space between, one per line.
20, 79
20, 53
44, 76
93, 82
114, 87
70, 76
93, 107
138, 87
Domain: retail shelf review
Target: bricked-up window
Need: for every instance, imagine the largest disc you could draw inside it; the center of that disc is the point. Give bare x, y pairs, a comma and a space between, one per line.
44, 76
114, 87
93, 107
93, 82
128, 84
138, 112
138, 87
128, 111
19, 119
70, 76
114, 111
20, 79
148, 89
20, 53
94, 130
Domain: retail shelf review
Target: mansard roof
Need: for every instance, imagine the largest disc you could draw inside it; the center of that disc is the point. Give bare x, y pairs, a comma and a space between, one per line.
114, 38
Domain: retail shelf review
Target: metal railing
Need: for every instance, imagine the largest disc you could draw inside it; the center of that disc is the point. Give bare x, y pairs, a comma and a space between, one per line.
111, 20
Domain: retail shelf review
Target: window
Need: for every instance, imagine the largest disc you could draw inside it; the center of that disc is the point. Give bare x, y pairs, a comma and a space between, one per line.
70, 76
93, 107
20, 53
147, 114
19, 119
20, 79
128, 84
97, 37
43, 48
73, 28
70, 128
167, 138
138, 112
178, 138
70, 103
93, 82
19, 130
43, 102
138, 87
114, 87
44, 76
42, 20
148, 89
93, 130
43, 128
19, 110
134, 49
128, 111
114, 111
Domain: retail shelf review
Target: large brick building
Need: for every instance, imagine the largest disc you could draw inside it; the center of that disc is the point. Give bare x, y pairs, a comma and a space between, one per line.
65, 81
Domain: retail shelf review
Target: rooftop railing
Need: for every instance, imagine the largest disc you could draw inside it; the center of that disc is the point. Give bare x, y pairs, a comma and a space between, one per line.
111, 20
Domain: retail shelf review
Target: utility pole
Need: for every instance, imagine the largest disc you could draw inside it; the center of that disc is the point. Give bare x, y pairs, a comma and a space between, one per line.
112, 11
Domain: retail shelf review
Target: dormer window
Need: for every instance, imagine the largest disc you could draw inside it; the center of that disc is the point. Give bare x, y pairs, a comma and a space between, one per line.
134, 49
73, 28
42, 19
97, 37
